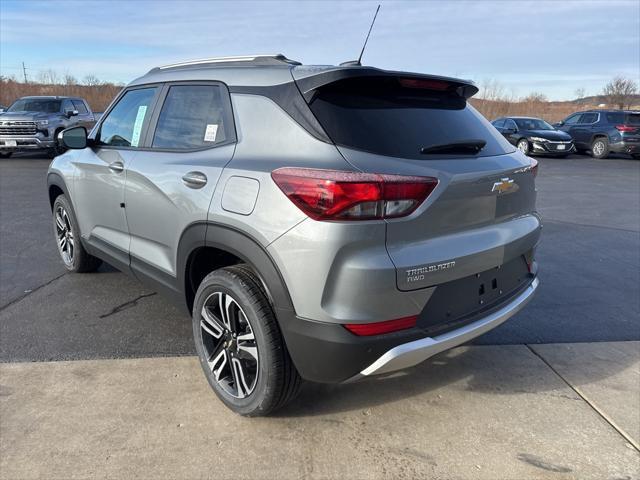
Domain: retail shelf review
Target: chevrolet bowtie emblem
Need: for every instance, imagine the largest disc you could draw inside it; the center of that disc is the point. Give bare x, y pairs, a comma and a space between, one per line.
504, 185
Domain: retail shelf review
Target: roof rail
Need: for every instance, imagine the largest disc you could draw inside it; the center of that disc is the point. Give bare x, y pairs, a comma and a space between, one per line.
274, 59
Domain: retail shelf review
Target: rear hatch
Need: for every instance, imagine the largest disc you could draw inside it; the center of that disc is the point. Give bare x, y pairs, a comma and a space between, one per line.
481, 214
627, 123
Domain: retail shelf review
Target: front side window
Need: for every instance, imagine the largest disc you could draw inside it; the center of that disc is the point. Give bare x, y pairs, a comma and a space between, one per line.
510, 124
123, 125
79, 106
572, 120
67, 106
192, 117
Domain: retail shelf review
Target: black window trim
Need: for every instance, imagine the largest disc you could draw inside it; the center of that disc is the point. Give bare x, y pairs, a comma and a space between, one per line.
154, 101
155, 116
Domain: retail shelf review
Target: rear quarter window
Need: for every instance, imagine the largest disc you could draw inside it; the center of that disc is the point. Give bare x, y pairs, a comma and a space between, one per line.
379, 116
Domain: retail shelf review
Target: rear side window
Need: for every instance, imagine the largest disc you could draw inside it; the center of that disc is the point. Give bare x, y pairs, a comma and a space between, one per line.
79, 104
589, 118
122, 126
192, 117
380, 116
632, 119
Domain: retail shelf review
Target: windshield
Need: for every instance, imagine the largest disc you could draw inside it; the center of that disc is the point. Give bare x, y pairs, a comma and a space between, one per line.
532, 124
35, 105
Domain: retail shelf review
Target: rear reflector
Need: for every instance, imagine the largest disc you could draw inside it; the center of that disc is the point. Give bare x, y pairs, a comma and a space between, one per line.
378, 328
625, 128
339, 195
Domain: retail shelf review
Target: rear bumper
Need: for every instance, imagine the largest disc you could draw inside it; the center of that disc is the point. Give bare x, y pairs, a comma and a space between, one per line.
412, 353
328, 353
24, 143
625, 147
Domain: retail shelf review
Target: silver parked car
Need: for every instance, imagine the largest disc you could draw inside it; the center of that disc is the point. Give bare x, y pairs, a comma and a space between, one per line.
317, 222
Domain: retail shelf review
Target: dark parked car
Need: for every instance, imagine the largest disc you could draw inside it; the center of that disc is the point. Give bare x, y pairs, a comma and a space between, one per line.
534, 136
33, 123
604, 131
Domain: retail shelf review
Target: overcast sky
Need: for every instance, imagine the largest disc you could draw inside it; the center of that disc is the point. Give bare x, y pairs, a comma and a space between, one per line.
553, 47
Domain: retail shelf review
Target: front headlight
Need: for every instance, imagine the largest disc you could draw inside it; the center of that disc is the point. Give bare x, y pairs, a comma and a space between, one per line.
42, 123
538, 139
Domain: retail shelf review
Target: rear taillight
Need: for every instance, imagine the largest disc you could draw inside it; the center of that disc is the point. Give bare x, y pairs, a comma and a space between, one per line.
379, 328
534, 167
338, 195
625, 128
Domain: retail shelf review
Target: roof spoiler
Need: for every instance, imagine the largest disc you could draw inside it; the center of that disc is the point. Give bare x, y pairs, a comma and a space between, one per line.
310, 79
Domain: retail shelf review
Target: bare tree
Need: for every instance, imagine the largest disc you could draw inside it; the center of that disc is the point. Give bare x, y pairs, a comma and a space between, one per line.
620, 91
535, 97
91, 80
70, 79
580, 93
48, 77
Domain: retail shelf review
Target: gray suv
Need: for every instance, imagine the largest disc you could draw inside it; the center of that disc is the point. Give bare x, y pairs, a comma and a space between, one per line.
33, 123
317, 222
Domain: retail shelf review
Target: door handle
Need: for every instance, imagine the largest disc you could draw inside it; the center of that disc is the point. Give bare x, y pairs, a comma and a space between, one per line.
116, 167
194, 179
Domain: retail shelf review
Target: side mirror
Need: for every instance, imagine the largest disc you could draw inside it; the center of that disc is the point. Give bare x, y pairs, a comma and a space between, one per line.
71, 113
74, 138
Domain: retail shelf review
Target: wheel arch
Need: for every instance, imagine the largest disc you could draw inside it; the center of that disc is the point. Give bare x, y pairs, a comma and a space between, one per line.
205, 246
56, 186
598, 135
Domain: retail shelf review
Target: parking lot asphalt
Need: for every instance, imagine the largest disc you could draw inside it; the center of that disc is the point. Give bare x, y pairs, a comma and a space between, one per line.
522, 402
589, 259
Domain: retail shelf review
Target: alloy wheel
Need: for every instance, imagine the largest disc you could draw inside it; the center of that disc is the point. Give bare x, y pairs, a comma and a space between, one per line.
598, 148
64, 235
229, 345
523, 146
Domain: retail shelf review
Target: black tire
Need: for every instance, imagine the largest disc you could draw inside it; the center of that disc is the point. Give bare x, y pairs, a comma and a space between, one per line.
58, 148
636, 156
273, 381
600, 147
5, 154
66, 234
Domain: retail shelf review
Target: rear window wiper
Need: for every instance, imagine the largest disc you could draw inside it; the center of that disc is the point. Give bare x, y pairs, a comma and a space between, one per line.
463, 146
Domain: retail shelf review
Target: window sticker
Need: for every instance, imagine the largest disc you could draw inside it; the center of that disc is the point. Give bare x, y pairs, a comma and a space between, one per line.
211, 132
137, 126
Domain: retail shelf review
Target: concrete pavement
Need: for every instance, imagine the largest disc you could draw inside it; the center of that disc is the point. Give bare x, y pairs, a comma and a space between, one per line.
488, 412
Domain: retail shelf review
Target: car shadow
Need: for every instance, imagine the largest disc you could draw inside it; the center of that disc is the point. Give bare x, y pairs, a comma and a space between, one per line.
479, 370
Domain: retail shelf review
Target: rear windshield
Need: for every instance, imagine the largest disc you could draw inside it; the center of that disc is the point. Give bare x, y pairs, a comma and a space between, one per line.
377, 115
624, 118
